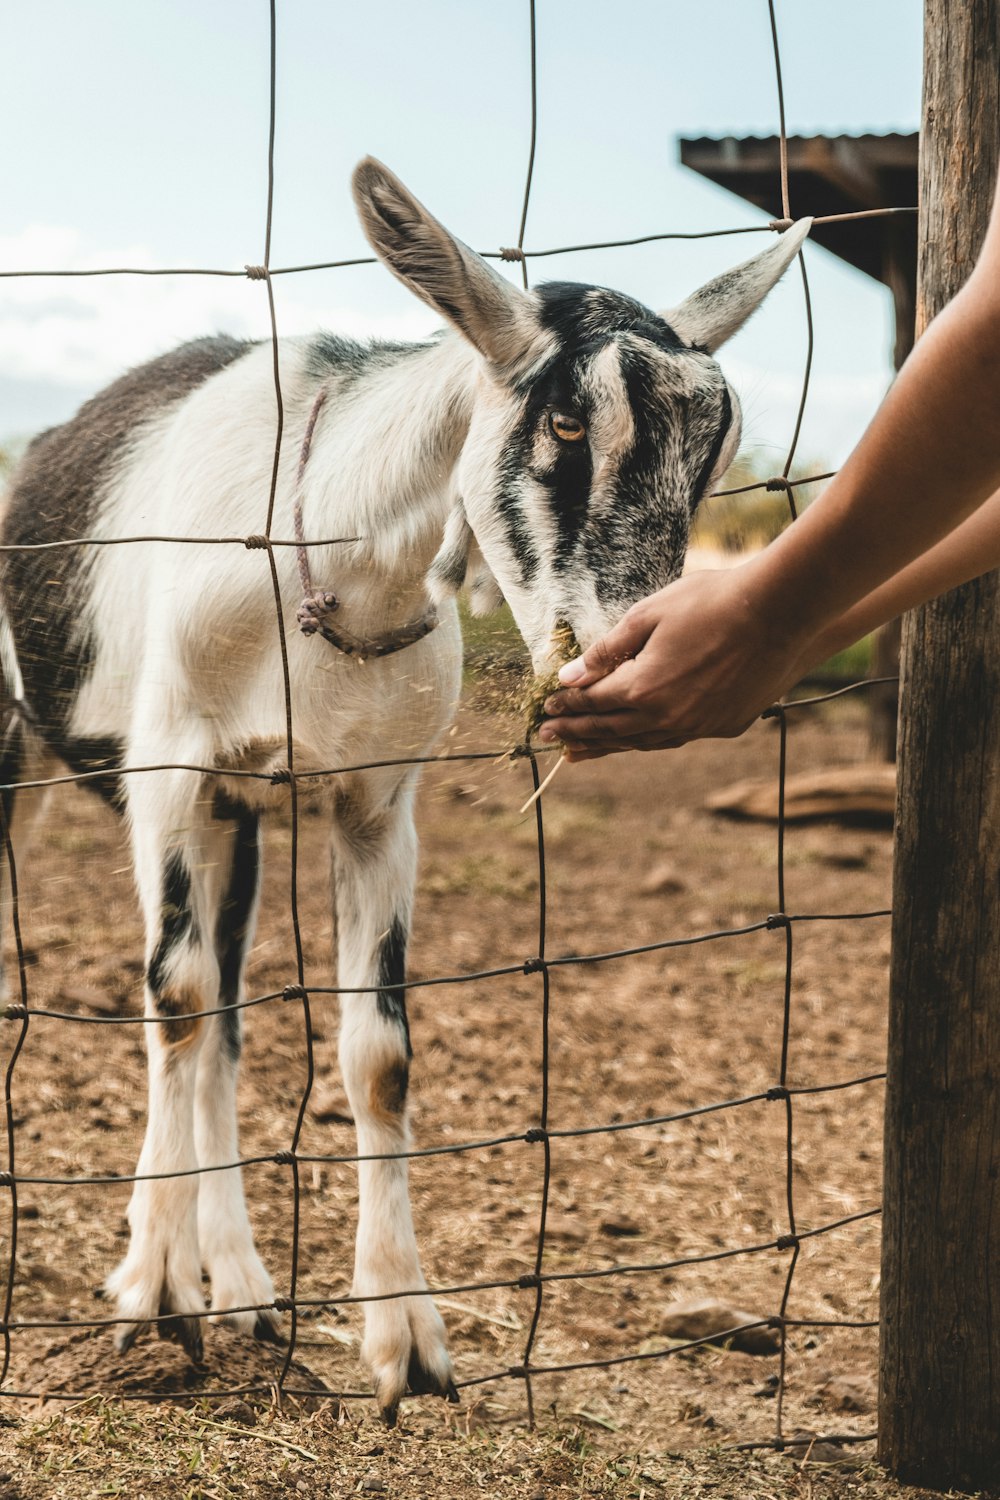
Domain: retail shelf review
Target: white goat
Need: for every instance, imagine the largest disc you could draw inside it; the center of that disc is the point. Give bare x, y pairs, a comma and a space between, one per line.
549, 450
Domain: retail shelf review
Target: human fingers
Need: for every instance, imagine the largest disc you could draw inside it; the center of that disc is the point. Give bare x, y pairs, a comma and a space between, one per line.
602, 658
582, 750
590, 752
604, 695
606, 733
598, 729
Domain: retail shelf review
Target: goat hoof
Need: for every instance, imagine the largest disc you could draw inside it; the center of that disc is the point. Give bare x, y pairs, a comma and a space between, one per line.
186, 1332
126, 1336
266, 1331
451, 1393
423, 1381
390, 1414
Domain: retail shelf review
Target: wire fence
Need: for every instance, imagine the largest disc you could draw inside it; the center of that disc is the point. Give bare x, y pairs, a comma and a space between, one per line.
541, 1133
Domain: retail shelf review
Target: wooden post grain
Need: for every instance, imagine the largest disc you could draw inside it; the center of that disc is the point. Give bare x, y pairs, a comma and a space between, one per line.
939, 1396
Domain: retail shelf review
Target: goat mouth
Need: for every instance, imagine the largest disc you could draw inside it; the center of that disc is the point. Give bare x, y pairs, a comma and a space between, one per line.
563, 647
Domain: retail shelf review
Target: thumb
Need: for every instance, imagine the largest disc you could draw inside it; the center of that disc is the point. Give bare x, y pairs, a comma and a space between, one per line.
625, 640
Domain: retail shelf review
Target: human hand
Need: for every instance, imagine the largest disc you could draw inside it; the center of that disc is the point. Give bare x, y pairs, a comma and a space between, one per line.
700, 659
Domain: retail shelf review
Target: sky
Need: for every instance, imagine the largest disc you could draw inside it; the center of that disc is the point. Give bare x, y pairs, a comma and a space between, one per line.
136, 134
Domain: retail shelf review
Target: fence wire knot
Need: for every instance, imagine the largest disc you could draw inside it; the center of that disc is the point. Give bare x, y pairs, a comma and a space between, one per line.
777, 919
283, 1304
527, 1282
312, 612
777, 1092
536, 1134
6, 1179
534, 966
255, 542
779, 485
15, 1012
780, 225
511, 253
294, 992
284, 1158
281, 777
256, 273
517, 1372
787, 1242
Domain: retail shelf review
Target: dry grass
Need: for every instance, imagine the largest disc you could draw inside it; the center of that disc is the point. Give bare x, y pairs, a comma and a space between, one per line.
102, 1447
632, 1039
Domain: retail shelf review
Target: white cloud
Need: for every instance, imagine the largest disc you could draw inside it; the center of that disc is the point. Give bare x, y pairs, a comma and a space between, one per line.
73, 332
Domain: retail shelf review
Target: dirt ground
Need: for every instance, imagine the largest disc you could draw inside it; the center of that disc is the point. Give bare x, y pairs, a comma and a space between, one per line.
633, 857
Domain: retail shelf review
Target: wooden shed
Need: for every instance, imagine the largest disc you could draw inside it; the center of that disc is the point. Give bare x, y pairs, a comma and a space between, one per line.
831, 176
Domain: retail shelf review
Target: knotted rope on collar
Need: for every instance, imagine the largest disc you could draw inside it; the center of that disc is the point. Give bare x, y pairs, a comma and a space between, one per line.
315, 613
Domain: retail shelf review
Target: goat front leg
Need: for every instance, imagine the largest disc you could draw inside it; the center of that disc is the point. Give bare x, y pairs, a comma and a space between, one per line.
404, 1342
161, 1274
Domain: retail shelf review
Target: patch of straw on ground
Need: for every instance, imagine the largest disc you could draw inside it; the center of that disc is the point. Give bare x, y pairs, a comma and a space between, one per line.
101, 1447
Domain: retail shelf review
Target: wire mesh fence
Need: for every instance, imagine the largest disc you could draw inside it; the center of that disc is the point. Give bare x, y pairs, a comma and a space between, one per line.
538, 1134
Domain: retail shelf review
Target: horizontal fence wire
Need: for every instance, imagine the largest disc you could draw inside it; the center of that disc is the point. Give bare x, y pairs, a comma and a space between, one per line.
530, 1135
539, 966
253, 272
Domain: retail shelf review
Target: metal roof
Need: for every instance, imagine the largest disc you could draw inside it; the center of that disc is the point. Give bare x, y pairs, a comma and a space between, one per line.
827, 174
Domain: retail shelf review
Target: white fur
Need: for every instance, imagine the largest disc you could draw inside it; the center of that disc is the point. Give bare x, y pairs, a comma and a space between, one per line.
187, 669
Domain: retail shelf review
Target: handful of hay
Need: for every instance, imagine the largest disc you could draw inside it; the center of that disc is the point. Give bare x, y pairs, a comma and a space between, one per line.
565, 647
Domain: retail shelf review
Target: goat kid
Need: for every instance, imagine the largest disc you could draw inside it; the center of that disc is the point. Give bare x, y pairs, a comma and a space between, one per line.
548, 450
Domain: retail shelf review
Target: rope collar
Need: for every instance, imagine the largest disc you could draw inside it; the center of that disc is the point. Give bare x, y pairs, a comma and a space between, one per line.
315, 613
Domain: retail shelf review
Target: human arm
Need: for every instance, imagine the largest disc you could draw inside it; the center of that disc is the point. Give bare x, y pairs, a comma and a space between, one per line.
972, 549
706, 655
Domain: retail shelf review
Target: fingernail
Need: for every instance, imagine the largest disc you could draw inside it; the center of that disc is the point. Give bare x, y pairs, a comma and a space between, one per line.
572, 671
551, 706
545, 733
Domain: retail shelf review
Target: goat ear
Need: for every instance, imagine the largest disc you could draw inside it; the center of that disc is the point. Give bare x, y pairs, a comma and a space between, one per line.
495, 316
447, 572
717, 310
459, 563
485, 594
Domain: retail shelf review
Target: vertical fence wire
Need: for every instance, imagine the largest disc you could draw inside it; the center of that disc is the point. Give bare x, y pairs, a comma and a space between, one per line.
299, 991
786, 1016
531, 149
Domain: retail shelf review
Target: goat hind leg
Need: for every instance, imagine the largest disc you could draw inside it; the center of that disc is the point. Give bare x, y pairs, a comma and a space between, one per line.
237, 1274
23, 757
404, 1343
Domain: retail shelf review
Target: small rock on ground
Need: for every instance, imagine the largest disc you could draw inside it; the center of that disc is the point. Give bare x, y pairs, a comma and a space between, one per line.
849, 1393
713, 1321
236, 1411
620, 1226
803, 1448
663, 880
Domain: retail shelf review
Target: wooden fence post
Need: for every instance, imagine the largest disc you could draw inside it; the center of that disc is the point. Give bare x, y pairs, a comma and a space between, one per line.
939, 1396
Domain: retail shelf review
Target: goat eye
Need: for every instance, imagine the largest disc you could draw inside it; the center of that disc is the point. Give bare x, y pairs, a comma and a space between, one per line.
567, 429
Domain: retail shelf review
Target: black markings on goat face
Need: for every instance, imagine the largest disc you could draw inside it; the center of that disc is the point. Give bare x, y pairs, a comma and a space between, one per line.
592, 520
